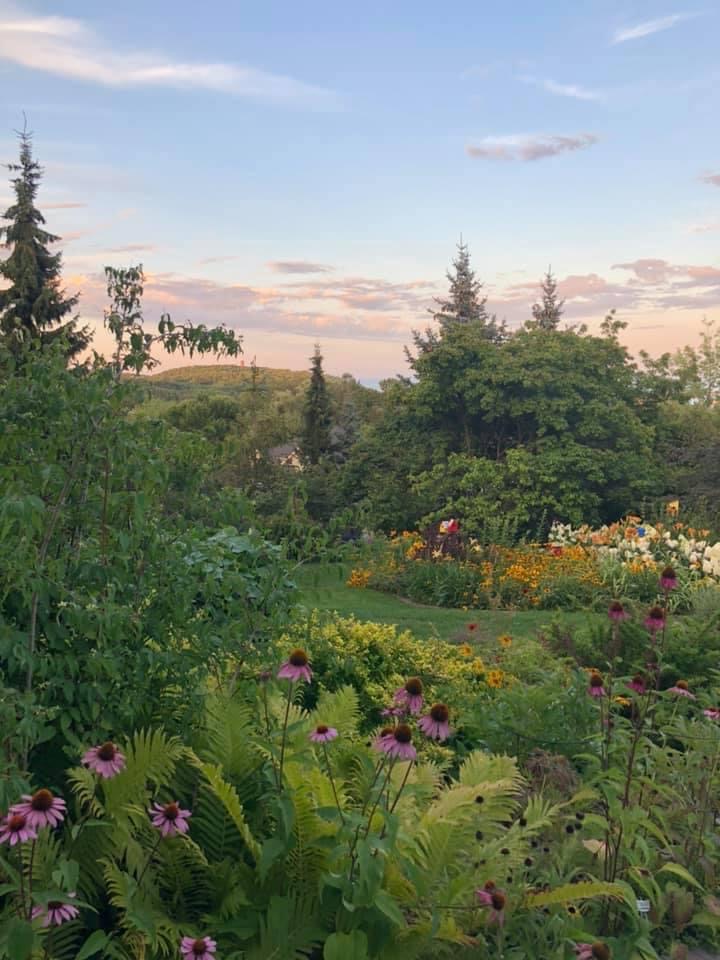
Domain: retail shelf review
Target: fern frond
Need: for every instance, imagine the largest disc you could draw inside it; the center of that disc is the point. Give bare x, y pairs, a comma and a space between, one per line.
227, 795
340, 709
289, 931
572, 892
481, 768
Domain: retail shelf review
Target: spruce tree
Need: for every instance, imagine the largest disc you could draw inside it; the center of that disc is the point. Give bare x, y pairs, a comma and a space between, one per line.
546, 315
34, 304
465, 304
316, 440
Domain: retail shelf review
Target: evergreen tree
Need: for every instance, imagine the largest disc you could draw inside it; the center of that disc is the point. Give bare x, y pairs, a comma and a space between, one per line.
465, 304
546, 315
33, 306
316, 439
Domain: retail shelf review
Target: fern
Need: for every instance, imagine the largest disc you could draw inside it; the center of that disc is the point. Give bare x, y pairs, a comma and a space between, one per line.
228, 797
340, 709
572, 892
288, 931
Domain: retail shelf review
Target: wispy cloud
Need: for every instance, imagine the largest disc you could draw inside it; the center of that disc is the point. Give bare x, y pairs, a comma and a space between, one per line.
712, 178
64, 205
133, 248
527, 147
298, 266
227, 258
648, 27
572, 90
70, 48
709, 226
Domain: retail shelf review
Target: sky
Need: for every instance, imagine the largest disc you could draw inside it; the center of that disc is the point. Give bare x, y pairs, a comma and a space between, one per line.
302, 171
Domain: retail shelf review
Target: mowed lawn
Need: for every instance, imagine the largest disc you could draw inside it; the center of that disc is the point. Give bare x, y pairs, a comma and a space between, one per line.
324, 588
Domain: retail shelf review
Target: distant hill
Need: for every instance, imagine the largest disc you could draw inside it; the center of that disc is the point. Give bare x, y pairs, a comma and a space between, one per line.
283, 389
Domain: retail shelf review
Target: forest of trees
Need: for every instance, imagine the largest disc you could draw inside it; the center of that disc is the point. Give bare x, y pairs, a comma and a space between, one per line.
508, 428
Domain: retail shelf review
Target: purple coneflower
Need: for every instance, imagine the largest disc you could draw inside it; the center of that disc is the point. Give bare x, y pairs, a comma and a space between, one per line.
592, 951
668, 579
617, 612
201, 948
655, 620
296, 667
681, 690
379, 740
490, 896
55, 912
596, 688
42, 809
712, 713
169, 818
435, 724
398, 743
106, 760
323, 734
637, 683
410, 695
16, 829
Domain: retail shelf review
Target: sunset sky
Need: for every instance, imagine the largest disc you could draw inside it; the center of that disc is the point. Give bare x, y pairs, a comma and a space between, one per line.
303, 170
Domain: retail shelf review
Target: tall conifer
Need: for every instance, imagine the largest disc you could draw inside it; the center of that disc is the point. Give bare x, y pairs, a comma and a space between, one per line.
33, 303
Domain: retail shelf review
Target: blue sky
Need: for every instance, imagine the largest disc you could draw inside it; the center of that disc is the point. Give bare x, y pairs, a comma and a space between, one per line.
302, 171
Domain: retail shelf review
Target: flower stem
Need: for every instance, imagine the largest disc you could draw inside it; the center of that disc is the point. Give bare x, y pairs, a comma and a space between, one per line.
267, 730
332, 783
150, 856
380, 793
402, 786
284, 734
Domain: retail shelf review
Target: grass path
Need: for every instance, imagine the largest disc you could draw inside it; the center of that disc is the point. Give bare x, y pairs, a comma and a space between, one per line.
324, 588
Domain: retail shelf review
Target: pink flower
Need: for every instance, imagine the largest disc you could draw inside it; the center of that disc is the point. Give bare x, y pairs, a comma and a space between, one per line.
592, 951
105, 760
201, 949
42, 809
323, 734
668, 579
170, 819
712, 713
617, 612
410, 695
378, 742
596, 688
637, 683
398, 743
655, 620
296, 667
55, 912
15, 829
435, 724
681, 690
490, 896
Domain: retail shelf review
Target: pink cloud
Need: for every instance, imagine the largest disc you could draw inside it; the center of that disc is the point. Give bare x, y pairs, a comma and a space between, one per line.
712, 178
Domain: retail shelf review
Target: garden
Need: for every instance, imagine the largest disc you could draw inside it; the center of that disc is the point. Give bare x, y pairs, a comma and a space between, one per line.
493, 737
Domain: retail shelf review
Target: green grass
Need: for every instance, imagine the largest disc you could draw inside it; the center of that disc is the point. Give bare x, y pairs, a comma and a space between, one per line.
323, 588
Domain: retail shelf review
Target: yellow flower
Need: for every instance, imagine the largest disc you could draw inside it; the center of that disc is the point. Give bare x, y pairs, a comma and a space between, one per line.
359, 578
478, 665
465, 649
672, 508
495, 679
505, 640
622, 701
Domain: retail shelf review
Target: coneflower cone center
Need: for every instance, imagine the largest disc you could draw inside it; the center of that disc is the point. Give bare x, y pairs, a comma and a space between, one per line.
414, 686
298, 658
439, 712
321, 728
172, 811
107, 751
403, 733
42, 800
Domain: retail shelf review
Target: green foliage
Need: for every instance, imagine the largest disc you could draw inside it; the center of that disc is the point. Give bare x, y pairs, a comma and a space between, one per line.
316, 441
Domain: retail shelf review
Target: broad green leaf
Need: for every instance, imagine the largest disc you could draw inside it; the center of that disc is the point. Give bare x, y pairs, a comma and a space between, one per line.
346, 946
